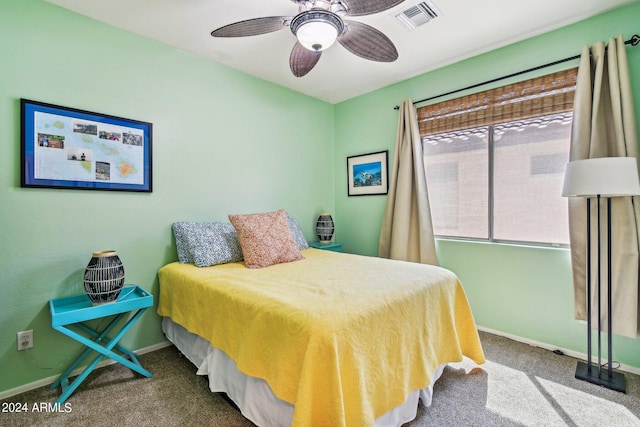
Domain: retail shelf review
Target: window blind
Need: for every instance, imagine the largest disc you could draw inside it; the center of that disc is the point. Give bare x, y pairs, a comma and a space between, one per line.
552, 93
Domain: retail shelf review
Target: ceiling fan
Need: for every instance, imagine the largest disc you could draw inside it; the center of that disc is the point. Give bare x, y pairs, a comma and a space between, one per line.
318, 25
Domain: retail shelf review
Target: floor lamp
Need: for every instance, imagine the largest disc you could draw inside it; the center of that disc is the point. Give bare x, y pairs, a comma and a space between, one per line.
600, 178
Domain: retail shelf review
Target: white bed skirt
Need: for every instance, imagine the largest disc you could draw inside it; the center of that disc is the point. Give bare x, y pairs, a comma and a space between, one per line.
253, 396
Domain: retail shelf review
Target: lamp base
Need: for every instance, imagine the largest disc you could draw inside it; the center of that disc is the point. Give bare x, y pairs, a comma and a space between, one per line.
617, 382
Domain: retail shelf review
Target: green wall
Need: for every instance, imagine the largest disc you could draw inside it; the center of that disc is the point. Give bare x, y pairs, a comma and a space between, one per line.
223, 142
521, 291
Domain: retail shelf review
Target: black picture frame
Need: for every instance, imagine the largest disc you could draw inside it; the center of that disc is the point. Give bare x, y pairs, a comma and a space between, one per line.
367, 174
68, 148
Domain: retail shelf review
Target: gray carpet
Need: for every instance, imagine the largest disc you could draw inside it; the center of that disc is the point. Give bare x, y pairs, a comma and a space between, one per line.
519, 385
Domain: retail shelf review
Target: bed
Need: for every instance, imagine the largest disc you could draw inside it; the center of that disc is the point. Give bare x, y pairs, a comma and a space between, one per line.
329, 339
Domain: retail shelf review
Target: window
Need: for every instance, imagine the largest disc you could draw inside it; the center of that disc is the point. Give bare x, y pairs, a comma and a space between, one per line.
457, 166
501, 179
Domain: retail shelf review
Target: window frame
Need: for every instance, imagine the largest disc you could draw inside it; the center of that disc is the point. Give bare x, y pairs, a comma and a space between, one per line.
536, 97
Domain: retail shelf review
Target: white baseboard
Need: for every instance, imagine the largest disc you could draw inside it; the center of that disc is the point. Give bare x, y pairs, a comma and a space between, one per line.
47, 381
572, 353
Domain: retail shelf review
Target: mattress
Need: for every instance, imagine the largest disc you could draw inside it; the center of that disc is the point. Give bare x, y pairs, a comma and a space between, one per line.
342, 338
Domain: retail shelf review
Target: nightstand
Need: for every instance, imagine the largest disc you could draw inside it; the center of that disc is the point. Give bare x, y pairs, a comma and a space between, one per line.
68, 316
333, 246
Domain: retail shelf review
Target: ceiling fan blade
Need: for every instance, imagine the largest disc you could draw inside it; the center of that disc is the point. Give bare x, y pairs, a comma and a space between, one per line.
369, 7
367, 42
302, 60
253, 27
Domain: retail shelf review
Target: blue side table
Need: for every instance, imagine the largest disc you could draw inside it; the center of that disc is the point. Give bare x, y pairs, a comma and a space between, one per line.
71, 312
333, 246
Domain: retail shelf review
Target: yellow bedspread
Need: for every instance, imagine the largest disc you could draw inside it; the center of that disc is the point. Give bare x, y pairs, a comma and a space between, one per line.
344, 338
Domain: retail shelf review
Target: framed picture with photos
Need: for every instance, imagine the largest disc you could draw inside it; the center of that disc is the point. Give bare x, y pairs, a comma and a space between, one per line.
68, 148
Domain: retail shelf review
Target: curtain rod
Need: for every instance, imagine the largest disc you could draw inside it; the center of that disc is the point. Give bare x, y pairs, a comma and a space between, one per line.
634, 40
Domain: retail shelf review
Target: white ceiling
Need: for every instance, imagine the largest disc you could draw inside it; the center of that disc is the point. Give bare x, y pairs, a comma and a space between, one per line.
464, 28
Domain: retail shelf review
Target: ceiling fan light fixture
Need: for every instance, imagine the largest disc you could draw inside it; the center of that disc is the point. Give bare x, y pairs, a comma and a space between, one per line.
317, 30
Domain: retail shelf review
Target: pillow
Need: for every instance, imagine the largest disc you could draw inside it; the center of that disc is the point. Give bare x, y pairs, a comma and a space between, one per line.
182, 246
294, 226
207, 243
265, 238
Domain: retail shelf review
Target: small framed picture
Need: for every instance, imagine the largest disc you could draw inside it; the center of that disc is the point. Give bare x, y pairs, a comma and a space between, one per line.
367, 174
69, 148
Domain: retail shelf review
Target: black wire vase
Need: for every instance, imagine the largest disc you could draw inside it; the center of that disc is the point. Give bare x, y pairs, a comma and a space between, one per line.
104, 277
325, 228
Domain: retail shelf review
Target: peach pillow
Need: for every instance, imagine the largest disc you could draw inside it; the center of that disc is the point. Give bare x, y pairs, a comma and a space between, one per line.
265, 238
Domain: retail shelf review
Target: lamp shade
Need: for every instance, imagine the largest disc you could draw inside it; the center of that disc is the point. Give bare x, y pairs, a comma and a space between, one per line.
603, 176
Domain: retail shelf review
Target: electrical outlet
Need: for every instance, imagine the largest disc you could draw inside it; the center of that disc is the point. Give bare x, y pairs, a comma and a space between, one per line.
25, 339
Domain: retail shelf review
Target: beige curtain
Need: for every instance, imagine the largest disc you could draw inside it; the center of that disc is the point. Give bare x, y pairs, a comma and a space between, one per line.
407, 230
604, 126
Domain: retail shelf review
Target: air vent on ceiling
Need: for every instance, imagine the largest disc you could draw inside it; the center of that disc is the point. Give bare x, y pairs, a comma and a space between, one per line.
418, 14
